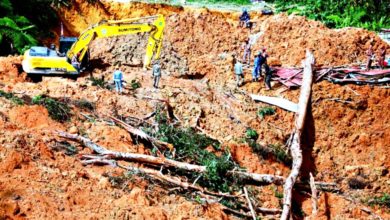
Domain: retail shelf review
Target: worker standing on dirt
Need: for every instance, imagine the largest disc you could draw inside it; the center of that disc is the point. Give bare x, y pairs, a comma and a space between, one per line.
370, 57
244, 18
256, 68
75, 62
118, 79
156, 73
262, 60
247, 51
382, 57
268, 76
238, 70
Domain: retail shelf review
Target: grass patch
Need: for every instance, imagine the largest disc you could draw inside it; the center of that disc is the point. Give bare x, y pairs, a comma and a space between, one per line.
98, 82
58, 111
251, 134
383, 200
265, 111
135, 84
10, 96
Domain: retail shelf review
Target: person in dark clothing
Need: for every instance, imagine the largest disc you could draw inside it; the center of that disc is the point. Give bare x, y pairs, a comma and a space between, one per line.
370, 56
382, 57
244, 18
268, 76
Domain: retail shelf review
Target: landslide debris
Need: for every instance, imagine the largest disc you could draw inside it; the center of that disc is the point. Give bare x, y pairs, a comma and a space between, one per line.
350, 141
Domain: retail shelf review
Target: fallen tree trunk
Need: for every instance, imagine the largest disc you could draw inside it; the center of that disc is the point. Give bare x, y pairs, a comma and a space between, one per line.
133, 157
142, 158
296, 151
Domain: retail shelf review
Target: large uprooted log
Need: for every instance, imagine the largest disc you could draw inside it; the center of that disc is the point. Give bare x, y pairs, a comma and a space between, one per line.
142, 158
295, 148
108, 154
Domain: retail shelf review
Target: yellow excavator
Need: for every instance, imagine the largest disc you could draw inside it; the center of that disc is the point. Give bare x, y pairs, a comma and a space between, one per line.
40, 61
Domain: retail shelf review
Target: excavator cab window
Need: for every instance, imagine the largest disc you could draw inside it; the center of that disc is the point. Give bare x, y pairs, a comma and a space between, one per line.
66, 43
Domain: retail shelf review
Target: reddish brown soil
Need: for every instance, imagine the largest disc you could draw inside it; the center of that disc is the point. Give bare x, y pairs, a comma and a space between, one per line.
344, 141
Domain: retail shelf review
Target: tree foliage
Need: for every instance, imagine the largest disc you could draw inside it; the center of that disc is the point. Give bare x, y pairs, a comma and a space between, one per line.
24, 22
369, 14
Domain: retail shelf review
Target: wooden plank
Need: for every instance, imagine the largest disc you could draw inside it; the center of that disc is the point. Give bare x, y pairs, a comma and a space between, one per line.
280, 102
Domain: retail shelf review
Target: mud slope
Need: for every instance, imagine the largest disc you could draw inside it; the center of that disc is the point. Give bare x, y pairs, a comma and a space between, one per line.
346, 142
198, 36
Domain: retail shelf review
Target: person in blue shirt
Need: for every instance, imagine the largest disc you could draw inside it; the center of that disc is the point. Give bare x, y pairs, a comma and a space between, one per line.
256, 68
118, 78
156, 71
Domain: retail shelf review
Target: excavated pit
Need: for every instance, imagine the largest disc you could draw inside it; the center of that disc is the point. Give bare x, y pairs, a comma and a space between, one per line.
347, 140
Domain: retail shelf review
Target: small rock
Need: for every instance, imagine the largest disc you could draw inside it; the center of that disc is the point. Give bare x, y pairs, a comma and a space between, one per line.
73, 130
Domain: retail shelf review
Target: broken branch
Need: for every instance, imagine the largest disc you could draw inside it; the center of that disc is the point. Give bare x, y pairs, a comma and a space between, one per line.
249, 204
313, 196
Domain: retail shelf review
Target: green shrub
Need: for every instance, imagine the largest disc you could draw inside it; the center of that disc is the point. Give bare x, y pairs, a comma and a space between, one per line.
85, 104
10, 96
135, 84
98, 82
383, 200
265, 111
251, 134
345, 13
190, 146
57, 110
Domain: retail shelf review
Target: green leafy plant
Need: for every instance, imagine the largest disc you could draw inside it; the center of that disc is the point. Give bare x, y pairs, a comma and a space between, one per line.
10, 96
265, 111
338, 14
135, 84
195, 148
85, 104
251, 134
15, 31
58, 111
383, 200
98, 82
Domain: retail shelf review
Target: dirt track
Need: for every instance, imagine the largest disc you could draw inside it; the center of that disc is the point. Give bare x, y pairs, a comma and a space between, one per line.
346, 140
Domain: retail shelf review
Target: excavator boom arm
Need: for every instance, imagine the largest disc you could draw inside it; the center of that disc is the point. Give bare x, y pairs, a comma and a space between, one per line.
123, 27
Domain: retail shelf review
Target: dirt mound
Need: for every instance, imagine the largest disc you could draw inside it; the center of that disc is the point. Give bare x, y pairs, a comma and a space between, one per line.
32, 117
11, 69
130, 51
288, 37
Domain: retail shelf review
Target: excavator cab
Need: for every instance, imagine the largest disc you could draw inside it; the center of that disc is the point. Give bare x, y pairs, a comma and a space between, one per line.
66, 43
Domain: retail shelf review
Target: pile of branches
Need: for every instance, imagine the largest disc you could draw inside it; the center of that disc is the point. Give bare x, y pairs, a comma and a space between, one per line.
185, 159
